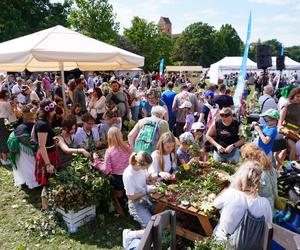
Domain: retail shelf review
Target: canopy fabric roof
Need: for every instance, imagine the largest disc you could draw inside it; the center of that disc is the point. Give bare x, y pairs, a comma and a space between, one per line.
290, 64
229, 63
183, 68
44, 50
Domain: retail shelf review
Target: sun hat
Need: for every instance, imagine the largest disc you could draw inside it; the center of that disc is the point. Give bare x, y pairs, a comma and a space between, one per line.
271, 113
186, 137
185, 104
198, 126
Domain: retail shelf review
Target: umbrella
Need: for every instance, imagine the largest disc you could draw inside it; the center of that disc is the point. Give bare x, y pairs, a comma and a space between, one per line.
59, 48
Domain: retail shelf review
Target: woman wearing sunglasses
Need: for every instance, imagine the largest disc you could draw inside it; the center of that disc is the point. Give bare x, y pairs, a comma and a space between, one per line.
46, 157
224, 136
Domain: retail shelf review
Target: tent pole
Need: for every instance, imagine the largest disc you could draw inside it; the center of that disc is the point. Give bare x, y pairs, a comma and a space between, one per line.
61, 67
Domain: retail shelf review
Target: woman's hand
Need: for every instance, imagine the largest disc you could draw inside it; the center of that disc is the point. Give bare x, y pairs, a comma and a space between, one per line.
164, 175
229, 149
85, 153
221, 149
50, 169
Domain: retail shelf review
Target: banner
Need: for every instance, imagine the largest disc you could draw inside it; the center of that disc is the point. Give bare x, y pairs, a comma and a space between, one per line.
238, 94
161, 66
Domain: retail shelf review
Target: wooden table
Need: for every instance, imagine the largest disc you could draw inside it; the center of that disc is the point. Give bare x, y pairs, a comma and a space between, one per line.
163, 203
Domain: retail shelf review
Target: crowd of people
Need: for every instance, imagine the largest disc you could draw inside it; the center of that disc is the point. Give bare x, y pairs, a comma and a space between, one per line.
166, 123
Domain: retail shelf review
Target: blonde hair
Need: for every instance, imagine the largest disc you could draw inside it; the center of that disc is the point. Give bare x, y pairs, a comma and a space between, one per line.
166, 138
247, 177
142, 158
251, 152
115, 139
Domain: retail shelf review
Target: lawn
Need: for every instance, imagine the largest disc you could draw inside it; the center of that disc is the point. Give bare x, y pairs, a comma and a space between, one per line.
19, 205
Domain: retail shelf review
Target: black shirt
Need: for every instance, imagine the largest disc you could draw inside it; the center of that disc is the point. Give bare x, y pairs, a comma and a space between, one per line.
223, 101
227, 135
42, 126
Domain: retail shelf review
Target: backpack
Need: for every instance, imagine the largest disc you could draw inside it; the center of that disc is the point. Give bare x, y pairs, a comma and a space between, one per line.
213, 115
148, 137
248, 235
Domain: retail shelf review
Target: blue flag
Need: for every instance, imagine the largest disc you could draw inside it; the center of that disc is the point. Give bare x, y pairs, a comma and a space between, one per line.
161, 66
238, 94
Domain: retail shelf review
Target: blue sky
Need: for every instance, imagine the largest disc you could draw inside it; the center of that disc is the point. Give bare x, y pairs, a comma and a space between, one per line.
270, 18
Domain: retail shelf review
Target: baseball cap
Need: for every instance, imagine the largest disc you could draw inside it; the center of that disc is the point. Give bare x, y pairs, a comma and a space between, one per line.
186, 137
271, 113
208, 94
185, 104
198, 126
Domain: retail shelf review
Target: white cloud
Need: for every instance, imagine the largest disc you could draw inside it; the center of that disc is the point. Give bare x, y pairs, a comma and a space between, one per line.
286, 18
200, 15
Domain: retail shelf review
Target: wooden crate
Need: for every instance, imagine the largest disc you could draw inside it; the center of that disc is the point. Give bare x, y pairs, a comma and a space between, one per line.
75, 220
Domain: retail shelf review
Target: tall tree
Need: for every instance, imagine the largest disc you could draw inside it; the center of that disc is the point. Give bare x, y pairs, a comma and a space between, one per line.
20, 18
293, 52
150, 42
95, 18
275, 45
195, 46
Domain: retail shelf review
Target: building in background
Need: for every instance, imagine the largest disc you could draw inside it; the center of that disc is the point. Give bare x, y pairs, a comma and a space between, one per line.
165, 25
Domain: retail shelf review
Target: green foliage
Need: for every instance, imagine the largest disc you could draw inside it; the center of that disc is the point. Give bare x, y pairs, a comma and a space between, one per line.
94, 18
20, 18
80, 180
293, 52
43, 225
150, 42
209, 243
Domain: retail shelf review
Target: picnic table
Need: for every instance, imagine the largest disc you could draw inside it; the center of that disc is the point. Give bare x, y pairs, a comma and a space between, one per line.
201, 217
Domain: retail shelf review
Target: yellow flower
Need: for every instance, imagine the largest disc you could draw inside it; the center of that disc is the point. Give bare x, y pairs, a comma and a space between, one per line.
186, 167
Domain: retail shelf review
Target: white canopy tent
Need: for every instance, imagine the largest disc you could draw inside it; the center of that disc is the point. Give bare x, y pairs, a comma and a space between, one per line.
227, 65
59, 48
290, 64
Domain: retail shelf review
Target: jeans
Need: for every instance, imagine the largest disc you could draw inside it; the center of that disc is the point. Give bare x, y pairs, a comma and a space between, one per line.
232, 157
135, 113
141, 210
134, 244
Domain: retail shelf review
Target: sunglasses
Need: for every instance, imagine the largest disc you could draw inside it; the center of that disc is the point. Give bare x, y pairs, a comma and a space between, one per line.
225, 115
49, 107
268, 119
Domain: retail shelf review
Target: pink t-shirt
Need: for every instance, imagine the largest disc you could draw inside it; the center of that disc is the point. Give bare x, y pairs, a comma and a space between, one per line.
46, 83
189, 119
115, 161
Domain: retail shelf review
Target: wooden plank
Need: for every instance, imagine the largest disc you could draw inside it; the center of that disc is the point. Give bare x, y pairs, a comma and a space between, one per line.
205, 223
156, 196
193, 209
188, 234
284, 237
183, 207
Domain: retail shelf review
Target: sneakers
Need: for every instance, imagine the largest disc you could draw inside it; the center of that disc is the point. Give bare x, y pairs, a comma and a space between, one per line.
126, 239
5, 162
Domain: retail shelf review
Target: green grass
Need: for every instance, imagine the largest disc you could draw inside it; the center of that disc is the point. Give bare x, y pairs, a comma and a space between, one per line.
19, 205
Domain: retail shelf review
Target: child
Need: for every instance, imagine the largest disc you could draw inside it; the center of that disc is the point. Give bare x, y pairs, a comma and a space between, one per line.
135, 178
198, 129
267, 132
183, 156
116, 158
189, 117
164, 162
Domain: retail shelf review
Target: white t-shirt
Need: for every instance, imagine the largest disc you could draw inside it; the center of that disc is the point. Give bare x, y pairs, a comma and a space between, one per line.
135, 181
155, 168
15, 89
234, 204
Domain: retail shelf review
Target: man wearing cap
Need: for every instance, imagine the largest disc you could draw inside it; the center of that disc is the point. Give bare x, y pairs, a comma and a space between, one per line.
223, 134
207, 106
266, 101
179, 99
267, 132
24, 96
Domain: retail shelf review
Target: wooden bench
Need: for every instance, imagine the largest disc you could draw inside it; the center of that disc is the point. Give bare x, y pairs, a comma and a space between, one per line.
155, 228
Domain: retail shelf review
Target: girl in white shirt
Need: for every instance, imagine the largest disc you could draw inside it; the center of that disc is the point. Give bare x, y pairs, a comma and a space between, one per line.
164, 158
240, 196
135, 178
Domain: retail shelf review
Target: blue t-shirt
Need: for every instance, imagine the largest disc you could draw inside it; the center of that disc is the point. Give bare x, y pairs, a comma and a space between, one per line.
182, 155
148, 107
270, 132
204, 109
168, 98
